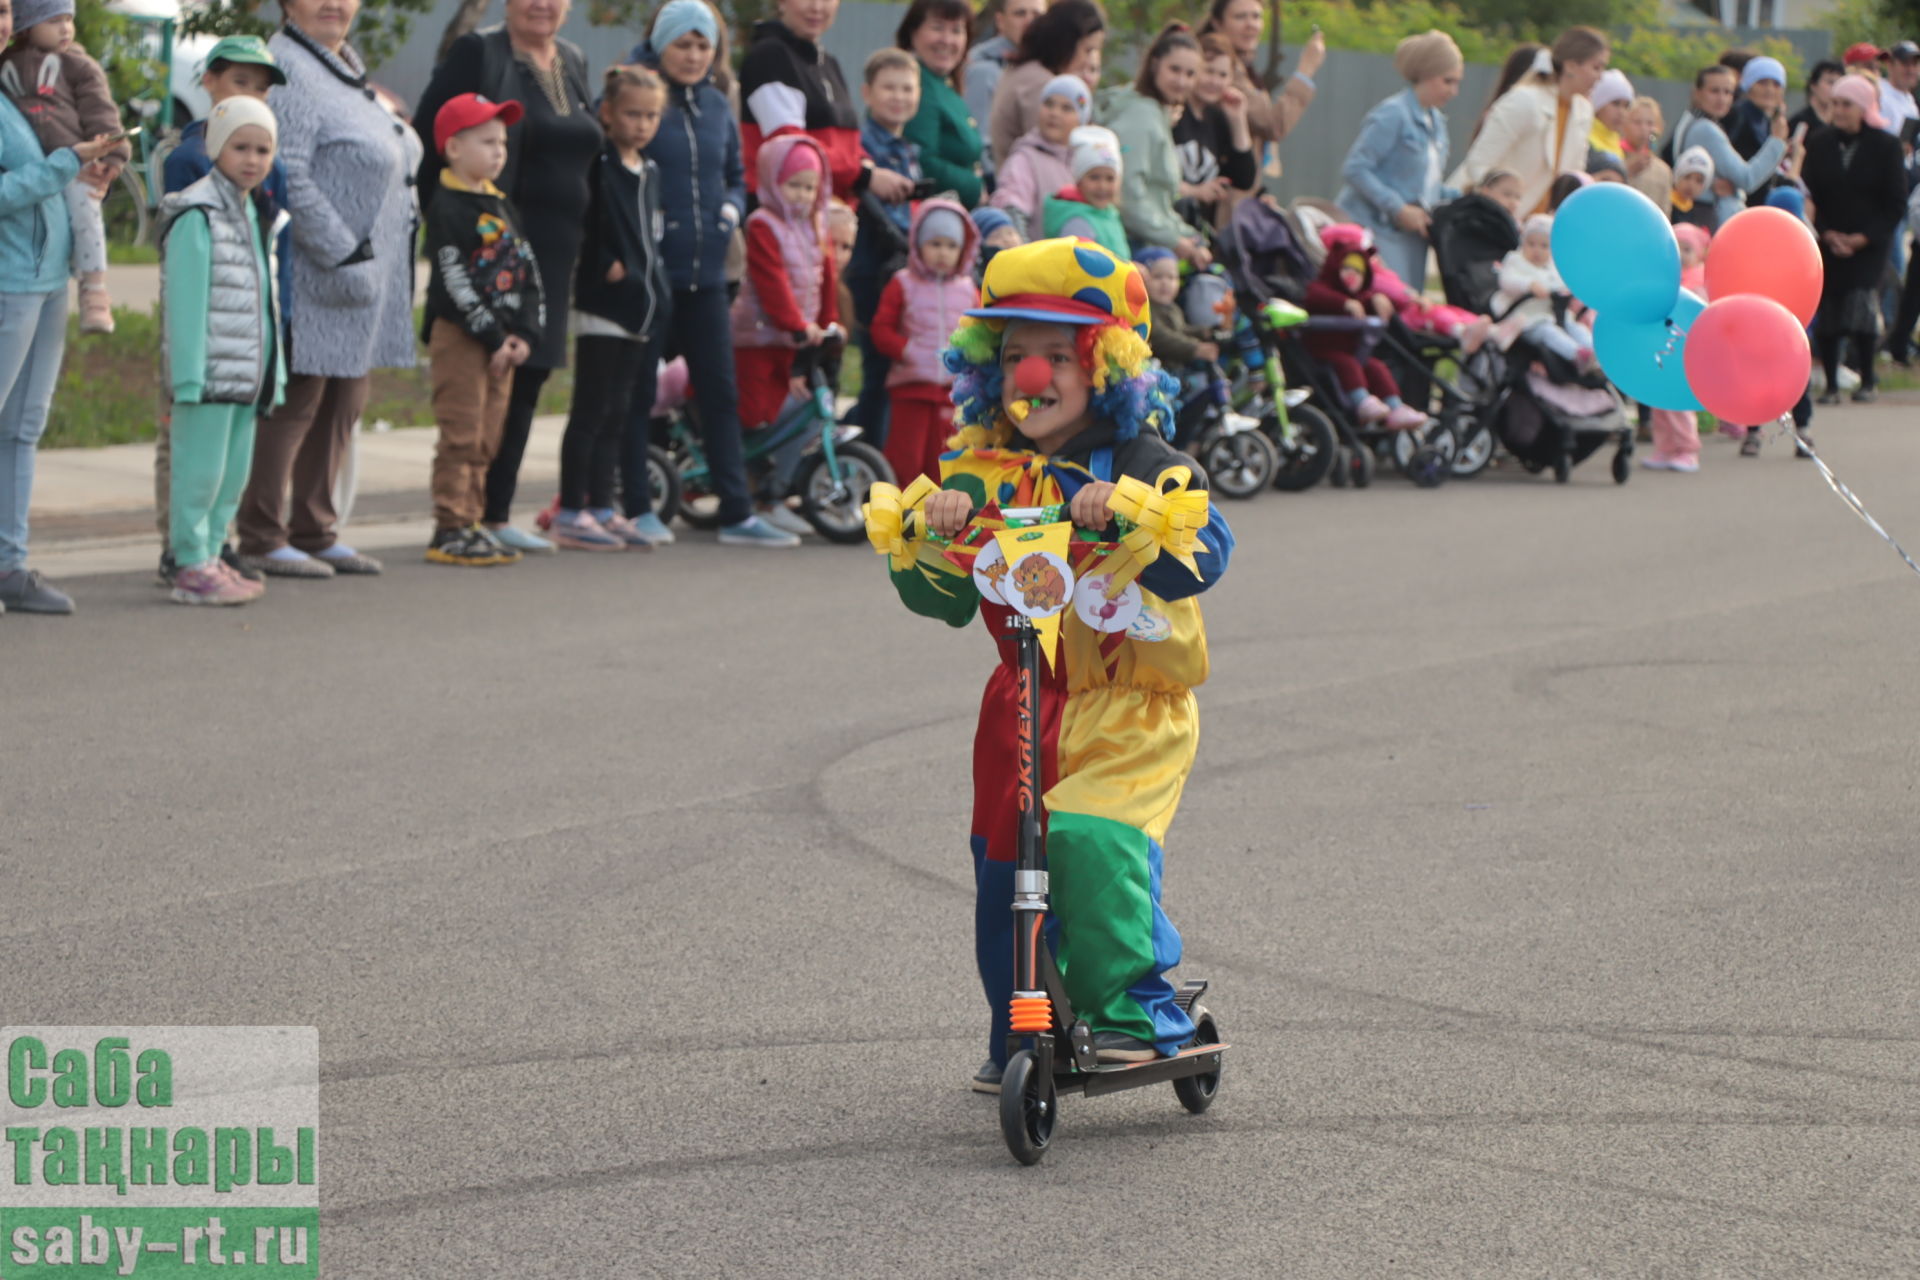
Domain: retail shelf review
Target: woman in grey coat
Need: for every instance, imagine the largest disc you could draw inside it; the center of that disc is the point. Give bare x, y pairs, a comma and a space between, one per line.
350, 165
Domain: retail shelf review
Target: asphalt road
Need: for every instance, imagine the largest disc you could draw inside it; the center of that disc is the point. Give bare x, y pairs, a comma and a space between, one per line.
1550, 850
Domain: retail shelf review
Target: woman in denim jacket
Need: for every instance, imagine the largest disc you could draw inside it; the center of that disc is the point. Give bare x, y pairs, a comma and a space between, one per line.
1394, 167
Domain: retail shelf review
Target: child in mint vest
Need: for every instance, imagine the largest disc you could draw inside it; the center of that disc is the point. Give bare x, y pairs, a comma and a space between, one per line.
222, 345
1090, 208
918, 311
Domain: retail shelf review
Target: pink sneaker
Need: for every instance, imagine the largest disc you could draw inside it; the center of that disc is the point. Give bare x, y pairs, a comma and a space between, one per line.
205, 584
625, 530
253, 589
1404, 417
581, 532
1370, 411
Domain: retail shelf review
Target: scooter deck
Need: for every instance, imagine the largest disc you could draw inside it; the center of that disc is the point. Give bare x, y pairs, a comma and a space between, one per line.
1194, 1060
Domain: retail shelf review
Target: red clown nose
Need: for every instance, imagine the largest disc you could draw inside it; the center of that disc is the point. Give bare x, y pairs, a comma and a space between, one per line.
1032, 375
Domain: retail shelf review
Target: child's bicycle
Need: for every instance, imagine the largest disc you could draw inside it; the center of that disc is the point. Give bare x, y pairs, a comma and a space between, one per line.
831, 478
1238, 457
1303, 437
1050, 1051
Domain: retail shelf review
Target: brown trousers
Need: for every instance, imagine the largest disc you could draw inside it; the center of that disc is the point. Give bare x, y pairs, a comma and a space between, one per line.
470, 407
301, 444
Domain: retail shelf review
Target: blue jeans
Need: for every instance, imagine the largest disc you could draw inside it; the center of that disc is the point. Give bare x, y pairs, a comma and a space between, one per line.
703, 333
33, 336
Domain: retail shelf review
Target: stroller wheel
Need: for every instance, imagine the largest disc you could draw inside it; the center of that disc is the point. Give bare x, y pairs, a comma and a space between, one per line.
1342, 467
1362, 468
1307, 447
1562, 469
1428, 467
1622, 466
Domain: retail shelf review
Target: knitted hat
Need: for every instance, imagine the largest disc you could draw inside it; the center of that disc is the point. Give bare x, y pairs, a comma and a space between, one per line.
1094, 147
1762, 68
940, 222
1599, 162
31, 13
1540, 224
798, 160
1693, 237
1792, 199
677, 18
1425, 56
1693, 160
235, 113
1074, 90
1151, 254
1613, 87
987, 220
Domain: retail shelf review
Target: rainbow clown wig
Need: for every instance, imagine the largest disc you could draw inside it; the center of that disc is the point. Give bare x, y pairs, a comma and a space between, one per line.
1071, 282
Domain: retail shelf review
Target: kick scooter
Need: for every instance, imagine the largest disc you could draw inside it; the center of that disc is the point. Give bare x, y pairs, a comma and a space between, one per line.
1049, 1050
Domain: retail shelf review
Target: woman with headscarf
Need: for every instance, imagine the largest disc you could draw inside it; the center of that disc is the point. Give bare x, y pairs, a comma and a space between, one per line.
350, 164
1394, 168
549, 154
1855, 177
1538, 129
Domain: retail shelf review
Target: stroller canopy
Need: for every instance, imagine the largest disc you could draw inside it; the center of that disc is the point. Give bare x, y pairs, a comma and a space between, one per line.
1470, 236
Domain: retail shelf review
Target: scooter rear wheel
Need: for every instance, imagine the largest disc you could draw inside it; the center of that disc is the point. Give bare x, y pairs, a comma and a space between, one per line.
1196, 1092
1028, 1108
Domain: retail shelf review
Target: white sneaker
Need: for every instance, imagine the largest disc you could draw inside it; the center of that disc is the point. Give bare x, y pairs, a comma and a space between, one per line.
786, 519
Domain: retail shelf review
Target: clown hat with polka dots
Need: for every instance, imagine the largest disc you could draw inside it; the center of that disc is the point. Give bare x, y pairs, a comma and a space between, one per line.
1064, 281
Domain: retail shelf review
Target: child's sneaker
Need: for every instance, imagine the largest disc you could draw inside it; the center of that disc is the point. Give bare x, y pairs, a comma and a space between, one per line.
231, 558
1370, 411
1404, 417
502, 553
786, 519
1112, 1046
205, 584
652, 528
520, 540
755, 532
460, 547
255, 588
628, 533
579, 531
987, 1078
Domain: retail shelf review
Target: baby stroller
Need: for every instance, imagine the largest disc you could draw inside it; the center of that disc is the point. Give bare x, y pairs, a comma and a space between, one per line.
1546, 413
1268, 255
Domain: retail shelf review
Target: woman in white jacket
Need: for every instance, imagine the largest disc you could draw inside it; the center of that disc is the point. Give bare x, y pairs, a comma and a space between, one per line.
1538, 129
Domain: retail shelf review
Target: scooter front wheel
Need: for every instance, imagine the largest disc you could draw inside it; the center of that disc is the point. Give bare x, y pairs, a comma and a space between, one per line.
1028, 1107
1196, 1092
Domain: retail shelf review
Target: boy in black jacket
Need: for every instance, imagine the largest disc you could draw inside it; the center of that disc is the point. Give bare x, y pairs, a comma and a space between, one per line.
484, 309
622, 300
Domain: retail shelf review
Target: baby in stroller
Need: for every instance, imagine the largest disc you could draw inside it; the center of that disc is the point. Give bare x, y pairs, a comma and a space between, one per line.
1533, 302
1345, 286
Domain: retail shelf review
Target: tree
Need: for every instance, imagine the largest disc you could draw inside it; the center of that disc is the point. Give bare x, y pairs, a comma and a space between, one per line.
380, 30
465, 19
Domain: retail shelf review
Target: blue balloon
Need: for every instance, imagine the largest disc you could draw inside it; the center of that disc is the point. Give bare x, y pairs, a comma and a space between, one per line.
1616, 251
1648, 360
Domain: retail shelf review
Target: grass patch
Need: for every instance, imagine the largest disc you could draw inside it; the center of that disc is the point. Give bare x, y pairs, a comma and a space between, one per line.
111, 392
132, 255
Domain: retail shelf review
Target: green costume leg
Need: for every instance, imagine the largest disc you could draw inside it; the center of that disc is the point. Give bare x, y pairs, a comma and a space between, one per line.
1115, 942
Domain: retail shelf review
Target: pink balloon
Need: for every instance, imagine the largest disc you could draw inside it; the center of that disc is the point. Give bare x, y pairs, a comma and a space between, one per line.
1747, 359
1770, 252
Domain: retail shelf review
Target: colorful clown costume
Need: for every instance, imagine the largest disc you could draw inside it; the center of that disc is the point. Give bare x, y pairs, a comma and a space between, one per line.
1118, 721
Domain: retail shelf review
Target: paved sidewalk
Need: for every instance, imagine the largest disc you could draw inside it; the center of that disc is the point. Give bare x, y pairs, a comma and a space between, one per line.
93, 511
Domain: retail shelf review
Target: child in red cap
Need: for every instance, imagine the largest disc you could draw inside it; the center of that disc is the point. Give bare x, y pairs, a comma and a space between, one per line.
484, 310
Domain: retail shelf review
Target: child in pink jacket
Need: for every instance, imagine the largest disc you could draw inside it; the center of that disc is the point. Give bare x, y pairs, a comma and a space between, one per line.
918, 312
1039, 163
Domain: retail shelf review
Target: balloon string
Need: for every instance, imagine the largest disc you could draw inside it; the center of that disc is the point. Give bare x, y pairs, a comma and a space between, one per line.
1673, 340
1845, 494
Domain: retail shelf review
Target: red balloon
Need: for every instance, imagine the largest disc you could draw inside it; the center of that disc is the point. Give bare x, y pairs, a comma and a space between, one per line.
1747, 359
1769, 252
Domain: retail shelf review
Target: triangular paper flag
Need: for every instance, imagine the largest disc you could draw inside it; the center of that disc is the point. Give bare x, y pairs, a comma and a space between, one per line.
1039, 581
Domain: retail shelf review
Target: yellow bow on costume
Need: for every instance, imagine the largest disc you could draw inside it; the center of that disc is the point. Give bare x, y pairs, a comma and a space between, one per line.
1167, 516
885, 511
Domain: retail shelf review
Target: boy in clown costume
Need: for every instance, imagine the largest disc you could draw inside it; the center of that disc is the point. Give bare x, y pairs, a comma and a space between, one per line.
1058, 403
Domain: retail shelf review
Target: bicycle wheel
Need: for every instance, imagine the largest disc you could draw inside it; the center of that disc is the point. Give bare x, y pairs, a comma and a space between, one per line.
125, 209
1306, 450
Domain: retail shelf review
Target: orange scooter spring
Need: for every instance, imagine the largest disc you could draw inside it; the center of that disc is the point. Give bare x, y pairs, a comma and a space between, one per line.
1032, 1013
